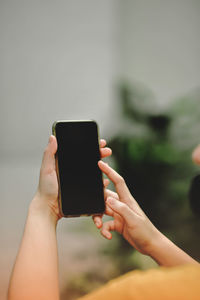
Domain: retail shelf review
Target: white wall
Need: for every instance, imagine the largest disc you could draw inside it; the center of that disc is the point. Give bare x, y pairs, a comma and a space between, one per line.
56, 62
160, 46
60, 59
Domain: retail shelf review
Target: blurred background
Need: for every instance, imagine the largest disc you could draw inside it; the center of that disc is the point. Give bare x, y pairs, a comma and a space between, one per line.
134, 67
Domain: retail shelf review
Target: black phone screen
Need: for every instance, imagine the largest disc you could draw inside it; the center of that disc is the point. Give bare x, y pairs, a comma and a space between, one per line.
80, 179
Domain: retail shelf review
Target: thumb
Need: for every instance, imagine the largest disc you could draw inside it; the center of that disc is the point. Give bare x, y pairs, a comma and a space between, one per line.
48, 161
121, 208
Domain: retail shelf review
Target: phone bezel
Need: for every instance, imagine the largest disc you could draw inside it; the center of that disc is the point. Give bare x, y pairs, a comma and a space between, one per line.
57, 170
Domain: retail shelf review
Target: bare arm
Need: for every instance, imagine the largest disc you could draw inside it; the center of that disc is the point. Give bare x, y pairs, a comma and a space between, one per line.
167, 254
35, 273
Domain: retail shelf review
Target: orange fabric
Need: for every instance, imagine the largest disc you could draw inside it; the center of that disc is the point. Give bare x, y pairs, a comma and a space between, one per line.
181, 282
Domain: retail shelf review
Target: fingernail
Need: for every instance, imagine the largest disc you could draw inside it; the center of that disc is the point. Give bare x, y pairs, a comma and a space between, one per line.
108, 235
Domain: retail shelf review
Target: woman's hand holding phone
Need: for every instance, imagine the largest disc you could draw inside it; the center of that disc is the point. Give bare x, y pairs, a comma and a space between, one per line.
46, 198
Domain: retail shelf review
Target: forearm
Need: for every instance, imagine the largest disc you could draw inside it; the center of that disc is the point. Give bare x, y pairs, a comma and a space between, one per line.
35, 274
167, 254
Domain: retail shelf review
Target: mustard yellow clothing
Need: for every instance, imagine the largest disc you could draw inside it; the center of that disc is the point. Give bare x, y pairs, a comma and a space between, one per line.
175, 283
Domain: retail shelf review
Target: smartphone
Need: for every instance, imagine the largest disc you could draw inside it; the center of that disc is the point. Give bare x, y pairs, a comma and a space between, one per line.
79, 177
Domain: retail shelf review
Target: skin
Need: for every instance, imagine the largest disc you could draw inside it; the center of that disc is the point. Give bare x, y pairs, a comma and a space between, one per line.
130, 221
196, 155
35, 273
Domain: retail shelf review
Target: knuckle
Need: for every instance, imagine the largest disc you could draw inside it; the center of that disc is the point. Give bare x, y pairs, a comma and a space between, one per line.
42, 170
45, 150
124, 207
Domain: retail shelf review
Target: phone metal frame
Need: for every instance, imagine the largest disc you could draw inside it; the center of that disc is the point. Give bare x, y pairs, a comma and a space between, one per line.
57, 170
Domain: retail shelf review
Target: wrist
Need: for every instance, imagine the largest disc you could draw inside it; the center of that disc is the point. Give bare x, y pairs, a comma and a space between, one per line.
167, 254
156, 244
39, 207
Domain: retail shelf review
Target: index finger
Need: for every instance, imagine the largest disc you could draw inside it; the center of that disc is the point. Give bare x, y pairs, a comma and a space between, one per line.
120, 185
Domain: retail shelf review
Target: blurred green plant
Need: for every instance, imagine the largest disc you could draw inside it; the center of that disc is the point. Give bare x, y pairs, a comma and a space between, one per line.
153, 154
